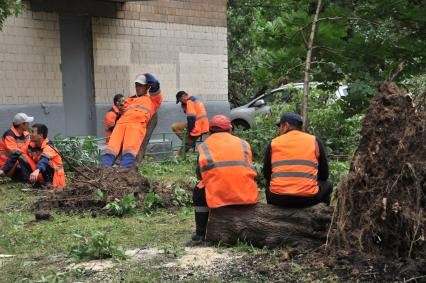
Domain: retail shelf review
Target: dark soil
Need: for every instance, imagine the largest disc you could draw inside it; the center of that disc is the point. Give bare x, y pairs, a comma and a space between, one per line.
381, 207
80, 195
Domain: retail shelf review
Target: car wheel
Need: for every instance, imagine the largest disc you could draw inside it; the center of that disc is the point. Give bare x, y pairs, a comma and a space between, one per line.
240, 125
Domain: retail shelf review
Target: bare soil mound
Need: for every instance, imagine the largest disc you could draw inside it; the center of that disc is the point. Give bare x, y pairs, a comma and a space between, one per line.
381, 206
82, 193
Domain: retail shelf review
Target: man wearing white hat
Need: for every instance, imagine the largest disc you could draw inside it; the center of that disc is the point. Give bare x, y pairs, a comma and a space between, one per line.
130, 130
13, 148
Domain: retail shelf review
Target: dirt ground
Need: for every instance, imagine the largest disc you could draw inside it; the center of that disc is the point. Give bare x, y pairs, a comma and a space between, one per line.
80, 195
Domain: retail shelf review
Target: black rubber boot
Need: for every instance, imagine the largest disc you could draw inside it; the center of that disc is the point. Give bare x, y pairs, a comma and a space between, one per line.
201, 219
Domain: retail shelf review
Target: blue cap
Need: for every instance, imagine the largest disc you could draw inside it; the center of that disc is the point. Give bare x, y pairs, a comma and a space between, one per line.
292, 118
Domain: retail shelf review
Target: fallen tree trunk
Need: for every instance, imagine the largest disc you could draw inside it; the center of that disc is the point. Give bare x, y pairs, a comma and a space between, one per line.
265, 225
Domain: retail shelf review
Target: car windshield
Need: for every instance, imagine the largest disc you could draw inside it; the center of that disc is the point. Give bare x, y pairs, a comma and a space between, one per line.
279, 95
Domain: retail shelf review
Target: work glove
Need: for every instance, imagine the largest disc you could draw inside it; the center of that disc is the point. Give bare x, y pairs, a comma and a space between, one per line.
152, 82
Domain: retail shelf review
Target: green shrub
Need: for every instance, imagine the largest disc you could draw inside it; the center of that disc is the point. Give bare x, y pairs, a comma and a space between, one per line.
97, 246
124, 207
180, 197
151, 201
77, 152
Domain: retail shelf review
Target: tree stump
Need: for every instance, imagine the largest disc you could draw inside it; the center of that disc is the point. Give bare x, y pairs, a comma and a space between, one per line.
264, 225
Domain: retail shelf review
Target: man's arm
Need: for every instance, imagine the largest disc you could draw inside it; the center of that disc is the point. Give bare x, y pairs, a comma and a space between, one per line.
191, 115
267, 168
322, 162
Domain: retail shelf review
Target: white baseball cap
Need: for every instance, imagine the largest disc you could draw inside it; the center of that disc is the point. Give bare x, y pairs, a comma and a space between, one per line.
22, 118
141, 79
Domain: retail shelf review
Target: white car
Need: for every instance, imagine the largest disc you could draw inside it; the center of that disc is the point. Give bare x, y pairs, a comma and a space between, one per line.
242, 117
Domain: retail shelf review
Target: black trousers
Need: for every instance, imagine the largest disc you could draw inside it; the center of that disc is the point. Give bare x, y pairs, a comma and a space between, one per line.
323, 195
201, 211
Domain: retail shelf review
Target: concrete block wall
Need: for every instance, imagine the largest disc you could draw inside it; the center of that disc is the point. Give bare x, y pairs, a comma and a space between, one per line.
30, 59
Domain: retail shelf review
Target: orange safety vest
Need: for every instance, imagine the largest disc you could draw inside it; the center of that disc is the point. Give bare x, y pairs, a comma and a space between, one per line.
294, 164
110, 120
55, 161
195, 107
227, 171
12, 142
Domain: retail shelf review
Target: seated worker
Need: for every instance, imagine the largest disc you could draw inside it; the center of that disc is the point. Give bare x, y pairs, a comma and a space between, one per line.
226, 172
113, 115
14, 161
130, 129
295, 167
47, 159
197, 122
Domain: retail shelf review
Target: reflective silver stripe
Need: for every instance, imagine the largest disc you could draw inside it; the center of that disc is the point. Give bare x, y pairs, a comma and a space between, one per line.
295, 162
201, 117
226, 164
21, 141
293, 174
207, 153
57, 169
46, 155
139, 107
211, 164
16, 151
201, 209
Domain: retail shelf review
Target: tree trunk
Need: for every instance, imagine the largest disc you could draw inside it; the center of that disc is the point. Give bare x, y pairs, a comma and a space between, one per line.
308, 66
265, 225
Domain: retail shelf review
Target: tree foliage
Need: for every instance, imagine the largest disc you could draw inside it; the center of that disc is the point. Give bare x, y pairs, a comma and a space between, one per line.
9, 8
358, 42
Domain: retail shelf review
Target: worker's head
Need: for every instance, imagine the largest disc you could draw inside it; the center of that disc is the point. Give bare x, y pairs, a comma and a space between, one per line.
290, 121
182, 97
141, 85
220, 123
21, 121
118, 99
38, 132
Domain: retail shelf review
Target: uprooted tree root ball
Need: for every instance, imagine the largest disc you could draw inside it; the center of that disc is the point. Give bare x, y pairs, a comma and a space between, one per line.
94, 187
381, 206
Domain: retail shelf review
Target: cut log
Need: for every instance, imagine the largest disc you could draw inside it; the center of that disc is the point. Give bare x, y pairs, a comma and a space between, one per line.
264, 225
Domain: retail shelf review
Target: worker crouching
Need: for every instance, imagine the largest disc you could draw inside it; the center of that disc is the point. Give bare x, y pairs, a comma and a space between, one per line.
226, 172
49, 169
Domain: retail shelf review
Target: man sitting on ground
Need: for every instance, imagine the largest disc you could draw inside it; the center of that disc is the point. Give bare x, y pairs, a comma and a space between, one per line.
295, 167
14, 161
226, 172
47, 159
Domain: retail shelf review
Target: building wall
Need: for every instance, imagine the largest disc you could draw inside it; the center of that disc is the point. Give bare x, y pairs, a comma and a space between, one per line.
182, 42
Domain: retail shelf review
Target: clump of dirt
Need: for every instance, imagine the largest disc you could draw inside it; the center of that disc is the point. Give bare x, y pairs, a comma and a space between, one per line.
381, 206
94, 187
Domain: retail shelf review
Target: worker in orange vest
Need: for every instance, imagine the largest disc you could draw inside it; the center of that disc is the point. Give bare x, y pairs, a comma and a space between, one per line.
295, 167
113, 115
49, 168
130, 129
14, 161
197, 122
226, 171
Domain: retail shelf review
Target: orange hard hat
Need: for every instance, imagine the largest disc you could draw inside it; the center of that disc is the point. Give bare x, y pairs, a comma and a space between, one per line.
220, 122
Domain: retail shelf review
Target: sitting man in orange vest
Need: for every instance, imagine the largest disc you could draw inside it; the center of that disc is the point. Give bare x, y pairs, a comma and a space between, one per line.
226, 172
47, 159
295, 167
197, 122
113, 115
130, 129
14, 161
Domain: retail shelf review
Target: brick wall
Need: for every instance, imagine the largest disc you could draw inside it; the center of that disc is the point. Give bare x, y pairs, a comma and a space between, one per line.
30, 59
182, 56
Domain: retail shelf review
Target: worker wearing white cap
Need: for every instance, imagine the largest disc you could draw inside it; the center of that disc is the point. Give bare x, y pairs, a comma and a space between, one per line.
13, 149
130, 130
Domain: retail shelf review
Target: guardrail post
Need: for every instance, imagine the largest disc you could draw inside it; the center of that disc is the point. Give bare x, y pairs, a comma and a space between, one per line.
183, 148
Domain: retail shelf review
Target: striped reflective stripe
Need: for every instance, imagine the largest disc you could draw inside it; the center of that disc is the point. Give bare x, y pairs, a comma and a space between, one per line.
46, 155
57, 169
201, 209
16, 151
293, 175
201, 117
139, 107
295, 162
211, 164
